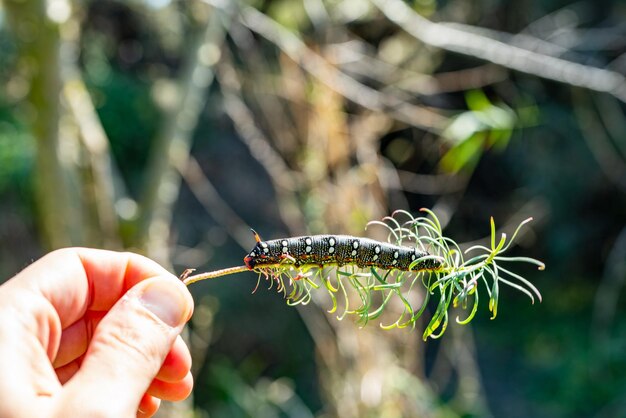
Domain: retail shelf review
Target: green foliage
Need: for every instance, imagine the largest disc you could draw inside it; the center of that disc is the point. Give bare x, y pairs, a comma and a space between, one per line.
17, 149
124, 94
290, 14
483, 126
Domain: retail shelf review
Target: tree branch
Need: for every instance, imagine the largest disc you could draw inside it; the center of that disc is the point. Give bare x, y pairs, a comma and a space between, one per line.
473, 44
292, 46
171, 149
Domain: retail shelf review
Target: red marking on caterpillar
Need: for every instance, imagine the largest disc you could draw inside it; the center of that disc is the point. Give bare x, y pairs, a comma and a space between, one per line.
340, 250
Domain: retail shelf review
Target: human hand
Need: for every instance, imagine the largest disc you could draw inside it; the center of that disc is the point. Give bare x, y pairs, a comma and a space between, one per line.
92, 333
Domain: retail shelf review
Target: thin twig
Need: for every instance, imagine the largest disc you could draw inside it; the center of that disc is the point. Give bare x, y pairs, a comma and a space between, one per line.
214, 274
215, 206
251, 134
285, 180
606, 300
431, 184
596, 136
354, 57
254, 73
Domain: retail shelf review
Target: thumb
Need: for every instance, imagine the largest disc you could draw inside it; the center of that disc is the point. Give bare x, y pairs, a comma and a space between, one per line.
128, 348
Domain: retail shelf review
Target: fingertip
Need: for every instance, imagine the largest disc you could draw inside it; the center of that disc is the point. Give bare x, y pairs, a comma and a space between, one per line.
148, 406
166, 298
177, 363
172, 391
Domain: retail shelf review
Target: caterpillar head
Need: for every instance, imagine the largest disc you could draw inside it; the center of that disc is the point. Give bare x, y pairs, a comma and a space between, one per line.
251, 260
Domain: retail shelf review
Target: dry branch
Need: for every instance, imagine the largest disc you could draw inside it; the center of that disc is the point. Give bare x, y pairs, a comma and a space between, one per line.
292, 46
510, 56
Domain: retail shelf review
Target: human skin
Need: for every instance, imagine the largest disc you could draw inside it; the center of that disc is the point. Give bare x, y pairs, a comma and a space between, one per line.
93, 333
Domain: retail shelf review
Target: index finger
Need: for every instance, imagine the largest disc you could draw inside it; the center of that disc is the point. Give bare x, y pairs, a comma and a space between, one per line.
75, 280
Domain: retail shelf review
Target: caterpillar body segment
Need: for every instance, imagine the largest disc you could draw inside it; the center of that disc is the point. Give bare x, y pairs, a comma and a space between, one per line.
339, 250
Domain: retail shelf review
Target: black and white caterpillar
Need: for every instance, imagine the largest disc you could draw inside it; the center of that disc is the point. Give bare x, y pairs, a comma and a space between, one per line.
340, 250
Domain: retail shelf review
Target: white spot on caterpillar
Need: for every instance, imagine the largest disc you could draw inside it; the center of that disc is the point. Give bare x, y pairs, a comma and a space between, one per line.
331, 250
396, 255
353, 252
355, 244
263, 244
308, 241
375, 257
308, 249
266, 250
394, 262
412, 256
377, 249
284, 242
285, 250
332, 242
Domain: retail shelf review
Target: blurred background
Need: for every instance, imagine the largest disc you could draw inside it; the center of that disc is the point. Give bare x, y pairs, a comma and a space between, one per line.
171, 127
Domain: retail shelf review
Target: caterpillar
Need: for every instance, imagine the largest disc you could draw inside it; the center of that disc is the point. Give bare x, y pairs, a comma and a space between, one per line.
340, 250
374, 273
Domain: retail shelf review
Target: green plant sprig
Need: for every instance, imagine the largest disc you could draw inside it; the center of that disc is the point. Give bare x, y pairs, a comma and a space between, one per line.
455, 282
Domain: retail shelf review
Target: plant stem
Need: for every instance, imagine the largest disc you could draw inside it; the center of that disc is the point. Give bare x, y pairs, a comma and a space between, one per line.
213, 274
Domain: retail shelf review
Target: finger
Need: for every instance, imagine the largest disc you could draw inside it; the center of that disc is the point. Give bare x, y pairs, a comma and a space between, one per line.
28, 377
67, 371
129, 346
77, 279
148, 406
74, 344
177, 362
75, 338
172, 391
